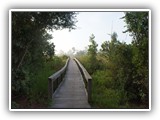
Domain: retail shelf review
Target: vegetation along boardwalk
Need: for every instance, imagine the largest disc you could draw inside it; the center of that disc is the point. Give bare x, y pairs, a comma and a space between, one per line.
72, 92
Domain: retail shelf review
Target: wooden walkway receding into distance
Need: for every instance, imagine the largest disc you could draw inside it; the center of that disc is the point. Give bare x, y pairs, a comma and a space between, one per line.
71, 93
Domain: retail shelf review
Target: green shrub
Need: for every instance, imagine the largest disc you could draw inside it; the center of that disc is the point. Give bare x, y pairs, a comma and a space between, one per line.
102, 78
105, 98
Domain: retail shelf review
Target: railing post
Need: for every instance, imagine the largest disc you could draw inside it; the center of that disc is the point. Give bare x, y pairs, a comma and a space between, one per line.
50, 88
89, 89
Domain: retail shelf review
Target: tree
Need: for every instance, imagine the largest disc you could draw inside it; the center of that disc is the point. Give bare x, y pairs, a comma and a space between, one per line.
30, 40
29, 30
92, 52
50, 50
137, 26
118, 64
73, 50
114, 37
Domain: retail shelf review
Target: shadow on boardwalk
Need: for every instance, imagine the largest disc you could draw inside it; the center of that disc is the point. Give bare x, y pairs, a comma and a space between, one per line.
72, 92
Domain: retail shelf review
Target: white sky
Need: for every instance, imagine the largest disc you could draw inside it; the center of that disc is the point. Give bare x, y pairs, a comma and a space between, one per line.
99, 23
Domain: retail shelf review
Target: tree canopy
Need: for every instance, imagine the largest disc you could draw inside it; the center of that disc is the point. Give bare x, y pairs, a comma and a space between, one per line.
29, 32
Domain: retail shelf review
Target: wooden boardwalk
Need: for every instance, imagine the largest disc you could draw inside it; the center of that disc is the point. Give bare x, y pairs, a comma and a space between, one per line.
72, 92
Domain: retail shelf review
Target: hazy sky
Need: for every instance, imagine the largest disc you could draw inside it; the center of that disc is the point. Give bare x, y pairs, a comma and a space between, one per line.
99, 23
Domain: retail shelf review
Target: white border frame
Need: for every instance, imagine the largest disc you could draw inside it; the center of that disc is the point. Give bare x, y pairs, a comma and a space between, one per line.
80, 10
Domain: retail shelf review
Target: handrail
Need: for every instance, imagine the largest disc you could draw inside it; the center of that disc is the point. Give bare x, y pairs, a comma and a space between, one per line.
55, 79
87, 79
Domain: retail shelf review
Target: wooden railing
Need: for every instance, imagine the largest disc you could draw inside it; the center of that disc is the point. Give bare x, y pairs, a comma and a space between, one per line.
55, 79
87, 79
